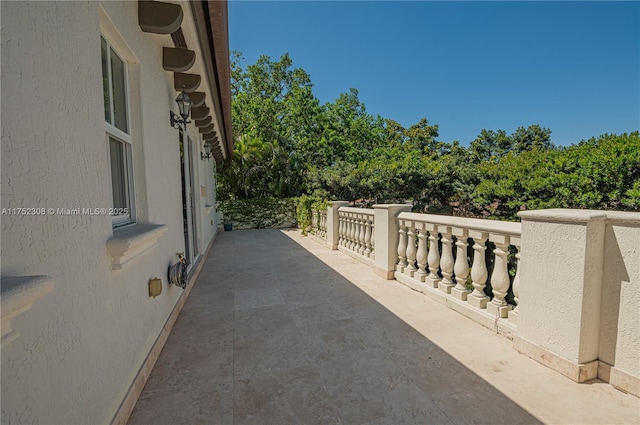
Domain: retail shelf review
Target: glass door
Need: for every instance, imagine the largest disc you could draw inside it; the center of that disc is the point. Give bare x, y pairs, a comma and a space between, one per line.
192, 203
188, 201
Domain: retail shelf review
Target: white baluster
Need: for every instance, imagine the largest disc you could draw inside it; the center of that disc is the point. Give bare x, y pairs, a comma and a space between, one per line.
352, 236
411, 249
324, 225
354, 233
345, 228
461, 266
446, 262
346, 231
356, 245
340, 229
361, 244
367, 238
479, 272
421, 256
373, 241
433, 258
500, 277
402, 247
513, 314
363, 235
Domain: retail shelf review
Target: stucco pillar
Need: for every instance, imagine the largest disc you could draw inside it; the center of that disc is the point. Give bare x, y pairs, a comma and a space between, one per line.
560, 290
386, 237
333, 223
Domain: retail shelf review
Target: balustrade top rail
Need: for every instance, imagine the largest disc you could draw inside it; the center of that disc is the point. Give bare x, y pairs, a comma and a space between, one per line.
490, 226
365, 211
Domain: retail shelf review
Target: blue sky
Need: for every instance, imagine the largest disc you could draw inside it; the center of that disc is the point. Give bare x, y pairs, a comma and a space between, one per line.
573, 67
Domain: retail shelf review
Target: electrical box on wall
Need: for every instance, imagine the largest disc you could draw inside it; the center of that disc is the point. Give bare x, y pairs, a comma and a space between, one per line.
155, 287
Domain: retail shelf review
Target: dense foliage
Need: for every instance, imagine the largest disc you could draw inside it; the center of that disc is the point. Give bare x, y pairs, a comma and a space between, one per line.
305, 205
287, 144
259, 213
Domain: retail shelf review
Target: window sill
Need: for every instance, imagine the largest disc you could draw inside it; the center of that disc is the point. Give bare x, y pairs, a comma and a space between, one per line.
18, 295
128, 243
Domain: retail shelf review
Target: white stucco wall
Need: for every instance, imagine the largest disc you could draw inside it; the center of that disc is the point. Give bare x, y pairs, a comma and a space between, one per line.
580, 288
561, 276
81, 345
620, 323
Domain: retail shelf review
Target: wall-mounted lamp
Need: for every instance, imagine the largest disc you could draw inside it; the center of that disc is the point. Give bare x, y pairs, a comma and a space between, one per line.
207, 155
184, 105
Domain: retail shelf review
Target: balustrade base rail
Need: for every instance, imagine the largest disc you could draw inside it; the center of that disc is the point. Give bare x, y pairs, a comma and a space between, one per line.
319, 238
481, 316
366, 260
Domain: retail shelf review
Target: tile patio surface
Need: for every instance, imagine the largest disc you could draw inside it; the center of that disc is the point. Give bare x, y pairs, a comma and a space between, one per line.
281, 330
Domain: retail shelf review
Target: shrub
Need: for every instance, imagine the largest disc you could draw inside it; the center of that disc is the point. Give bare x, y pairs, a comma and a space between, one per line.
259, 213
305, 204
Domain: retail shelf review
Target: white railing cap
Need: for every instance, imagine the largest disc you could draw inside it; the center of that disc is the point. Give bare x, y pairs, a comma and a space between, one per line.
580, 216
563, 215
389, 206
366, 211
623, 217
489, 226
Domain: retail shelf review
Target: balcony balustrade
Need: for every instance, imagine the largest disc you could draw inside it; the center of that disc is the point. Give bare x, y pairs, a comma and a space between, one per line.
501, 275
319, 223
356, 233
451, 254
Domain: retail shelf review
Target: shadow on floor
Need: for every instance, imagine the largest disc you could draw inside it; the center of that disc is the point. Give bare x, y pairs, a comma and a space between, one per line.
272, 335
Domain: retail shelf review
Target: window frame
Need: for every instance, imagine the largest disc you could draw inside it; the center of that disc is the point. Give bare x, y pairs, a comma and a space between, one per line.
124, 137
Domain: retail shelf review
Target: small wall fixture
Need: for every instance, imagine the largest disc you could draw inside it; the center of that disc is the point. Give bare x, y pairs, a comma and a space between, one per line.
155, 287
184, 105
207, 149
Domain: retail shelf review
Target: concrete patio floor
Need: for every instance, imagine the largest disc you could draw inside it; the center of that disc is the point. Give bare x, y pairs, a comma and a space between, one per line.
281, 330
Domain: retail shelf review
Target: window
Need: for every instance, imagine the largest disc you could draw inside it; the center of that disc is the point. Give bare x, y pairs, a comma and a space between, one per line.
116, 116
119, 175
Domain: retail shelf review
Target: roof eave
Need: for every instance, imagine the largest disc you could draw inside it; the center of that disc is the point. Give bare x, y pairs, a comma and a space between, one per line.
211, 18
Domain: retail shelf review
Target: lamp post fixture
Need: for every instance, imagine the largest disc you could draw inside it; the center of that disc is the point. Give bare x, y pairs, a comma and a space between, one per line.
184, 106
207, 155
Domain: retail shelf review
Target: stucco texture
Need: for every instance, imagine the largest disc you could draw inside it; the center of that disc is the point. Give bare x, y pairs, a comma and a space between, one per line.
620, 318
81, 346
580, 291
554, 292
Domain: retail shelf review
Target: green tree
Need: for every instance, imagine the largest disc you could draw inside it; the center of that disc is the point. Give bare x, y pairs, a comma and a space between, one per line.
602, 172
532, 137
422, 137
490, 146
275, 113
350, 132
599, 173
